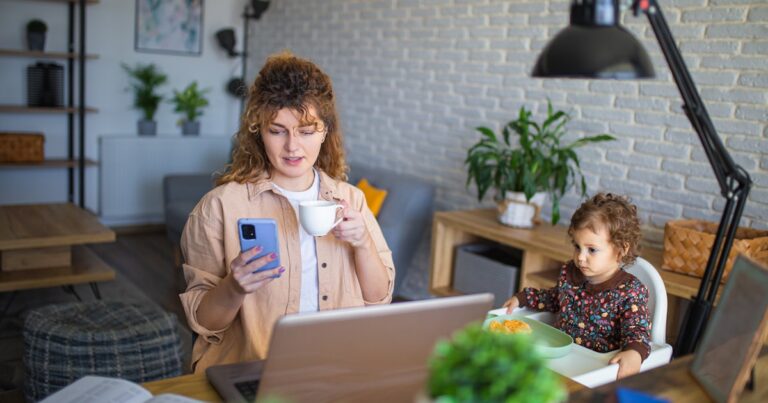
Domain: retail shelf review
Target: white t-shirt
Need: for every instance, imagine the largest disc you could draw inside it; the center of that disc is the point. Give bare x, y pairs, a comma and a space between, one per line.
309, 283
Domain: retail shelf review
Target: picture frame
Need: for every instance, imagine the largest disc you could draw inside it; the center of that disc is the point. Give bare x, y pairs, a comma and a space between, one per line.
169, 26
735, 333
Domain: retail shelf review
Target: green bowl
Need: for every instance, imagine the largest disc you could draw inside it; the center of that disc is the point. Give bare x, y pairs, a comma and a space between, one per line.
549, 342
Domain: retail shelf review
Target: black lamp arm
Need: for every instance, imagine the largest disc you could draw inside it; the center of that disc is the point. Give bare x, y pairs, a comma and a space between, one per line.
733, 180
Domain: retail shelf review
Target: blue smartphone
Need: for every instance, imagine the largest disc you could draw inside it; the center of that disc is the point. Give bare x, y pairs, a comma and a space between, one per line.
259, 232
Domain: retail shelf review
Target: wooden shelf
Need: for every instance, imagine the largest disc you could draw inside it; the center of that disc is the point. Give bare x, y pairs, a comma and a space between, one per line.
86, 268
41, 109
42, 55
50, 163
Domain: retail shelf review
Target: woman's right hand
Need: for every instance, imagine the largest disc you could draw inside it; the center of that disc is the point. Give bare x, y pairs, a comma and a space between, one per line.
242, 277
511, 304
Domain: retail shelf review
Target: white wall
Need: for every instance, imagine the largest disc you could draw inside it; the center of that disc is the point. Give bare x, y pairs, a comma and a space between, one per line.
110, 34
414, 77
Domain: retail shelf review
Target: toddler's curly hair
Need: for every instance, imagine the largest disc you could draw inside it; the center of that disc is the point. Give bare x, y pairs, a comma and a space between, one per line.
618, 215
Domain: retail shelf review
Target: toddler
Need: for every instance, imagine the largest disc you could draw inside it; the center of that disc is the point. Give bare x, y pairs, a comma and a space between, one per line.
600, 305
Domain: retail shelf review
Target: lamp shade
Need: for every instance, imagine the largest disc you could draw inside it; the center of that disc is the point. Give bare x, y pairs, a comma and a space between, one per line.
594, 46
594, 52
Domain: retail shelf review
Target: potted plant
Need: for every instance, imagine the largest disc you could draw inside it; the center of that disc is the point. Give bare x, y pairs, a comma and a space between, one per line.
145, 81
36, 31
481, 366
523, 175
190, 103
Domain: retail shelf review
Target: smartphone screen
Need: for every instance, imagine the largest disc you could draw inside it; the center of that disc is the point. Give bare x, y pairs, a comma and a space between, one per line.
259, 232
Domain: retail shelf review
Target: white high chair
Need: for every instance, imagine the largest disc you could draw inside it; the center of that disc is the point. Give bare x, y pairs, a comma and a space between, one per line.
591, 368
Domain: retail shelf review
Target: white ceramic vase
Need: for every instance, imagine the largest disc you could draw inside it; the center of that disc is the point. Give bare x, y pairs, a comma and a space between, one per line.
515, 211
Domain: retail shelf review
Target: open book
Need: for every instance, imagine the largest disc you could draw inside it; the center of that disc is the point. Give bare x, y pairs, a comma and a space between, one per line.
98, 389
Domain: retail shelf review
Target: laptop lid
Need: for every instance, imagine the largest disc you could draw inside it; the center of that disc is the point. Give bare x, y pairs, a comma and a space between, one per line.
371, 354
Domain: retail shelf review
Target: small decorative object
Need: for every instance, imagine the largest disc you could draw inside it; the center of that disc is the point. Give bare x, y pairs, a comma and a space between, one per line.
480, 366
21, 147
688, 243
45, 84
542, 164
169, 26
145, 81
36, 31
190, 103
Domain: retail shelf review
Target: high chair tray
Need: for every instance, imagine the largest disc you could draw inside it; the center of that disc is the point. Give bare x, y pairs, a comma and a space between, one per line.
583, 365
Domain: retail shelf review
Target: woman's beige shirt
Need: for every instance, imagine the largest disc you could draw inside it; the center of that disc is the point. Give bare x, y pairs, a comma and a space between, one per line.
210, 242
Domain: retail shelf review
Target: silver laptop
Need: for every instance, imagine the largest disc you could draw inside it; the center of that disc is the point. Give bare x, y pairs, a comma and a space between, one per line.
371, 354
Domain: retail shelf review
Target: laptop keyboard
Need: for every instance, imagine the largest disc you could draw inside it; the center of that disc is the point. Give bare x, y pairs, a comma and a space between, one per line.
248, 389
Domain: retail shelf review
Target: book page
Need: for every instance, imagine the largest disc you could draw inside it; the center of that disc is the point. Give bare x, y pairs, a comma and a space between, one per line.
99, 389
172, 398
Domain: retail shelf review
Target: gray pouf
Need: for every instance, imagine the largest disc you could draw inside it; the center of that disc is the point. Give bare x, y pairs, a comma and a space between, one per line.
65, 342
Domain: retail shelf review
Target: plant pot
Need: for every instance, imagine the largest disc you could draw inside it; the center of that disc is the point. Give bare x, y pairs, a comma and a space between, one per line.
36, 41
190, 128
147, 127
515, 211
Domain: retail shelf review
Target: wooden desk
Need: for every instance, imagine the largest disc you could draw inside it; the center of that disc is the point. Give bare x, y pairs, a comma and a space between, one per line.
545, 248
41, 246
196, 386
675, 382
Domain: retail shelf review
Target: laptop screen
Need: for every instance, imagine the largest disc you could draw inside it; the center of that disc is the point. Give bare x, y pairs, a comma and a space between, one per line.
371, 354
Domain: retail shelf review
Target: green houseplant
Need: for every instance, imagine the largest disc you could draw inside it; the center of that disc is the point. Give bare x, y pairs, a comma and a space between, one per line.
145, 79
190, 102
541, 162
480, 366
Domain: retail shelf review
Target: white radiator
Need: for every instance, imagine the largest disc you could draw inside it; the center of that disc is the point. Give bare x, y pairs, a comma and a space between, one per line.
132, 171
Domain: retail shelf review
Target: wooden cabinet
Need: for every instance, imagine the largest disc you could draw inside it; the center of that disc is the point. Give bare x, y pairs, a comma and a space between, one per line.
74, 108
545, 248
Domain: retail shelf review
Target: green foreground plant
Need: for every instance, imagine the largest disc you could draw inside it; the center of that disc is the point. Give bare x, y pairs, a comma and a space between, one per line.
145, 81
540, 162
190, 102
480, 366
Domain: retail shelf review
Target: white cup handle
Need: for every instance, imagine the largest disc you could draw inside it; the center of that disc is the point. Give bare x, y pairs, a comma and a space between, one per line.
338, 206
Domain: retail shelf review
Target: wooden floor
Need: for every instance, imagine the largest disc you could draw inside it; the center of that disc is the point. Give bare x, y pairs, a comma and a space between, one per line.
146, 260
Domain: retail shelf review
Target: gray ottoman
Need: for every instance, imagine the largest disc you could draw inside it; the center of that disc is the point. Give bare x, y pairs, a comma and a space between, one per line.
64, 342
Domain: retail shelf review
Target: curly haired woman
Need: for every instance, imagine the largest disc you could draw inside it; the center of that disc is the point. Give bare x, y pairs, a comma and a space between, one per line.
600, 305
289, 149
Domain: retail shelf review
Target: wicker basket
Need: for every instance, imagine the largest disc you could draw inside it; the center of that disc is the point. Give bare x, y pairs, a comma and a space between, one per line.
21, 147
688, 243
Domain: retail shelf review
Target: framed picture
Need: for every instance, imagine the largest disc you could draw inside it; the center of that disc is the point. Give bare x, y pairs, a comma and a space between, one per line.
169, 26
735, 333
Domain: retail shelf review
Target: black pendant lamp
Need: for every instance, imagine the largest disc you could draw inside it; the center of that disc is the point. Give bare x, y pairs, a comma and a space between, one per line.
594, 45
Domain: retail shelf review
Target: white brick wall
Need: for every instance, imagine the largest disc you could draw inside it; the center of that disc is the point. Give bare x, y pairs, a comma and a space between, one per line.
415, 76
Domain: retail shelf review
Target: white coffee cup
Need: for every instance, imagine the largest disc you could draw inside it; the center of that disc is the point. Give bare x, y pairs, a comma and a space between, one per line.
317, 217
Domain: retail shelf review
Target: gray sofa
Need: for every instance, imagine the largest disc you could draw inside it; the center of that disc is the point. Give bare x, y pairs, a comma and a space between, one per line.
405, 216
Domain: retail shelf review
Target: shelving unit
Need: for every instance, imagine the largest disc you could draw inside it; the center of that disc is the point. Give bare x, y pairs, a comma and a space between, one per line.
75, 108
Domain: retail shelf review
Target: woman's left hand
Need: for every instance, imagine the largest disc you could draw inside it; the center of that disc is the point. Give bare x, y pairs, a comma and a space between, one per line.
629, 363
352, 227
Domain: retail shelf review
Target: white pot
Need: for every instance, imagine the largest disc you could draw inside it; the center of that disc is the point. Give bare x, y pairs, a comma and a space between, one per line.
515, 211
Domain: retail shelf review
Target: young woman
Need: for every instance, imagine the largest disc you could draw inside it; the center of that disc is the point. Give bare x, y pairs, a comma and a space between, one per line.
288, 149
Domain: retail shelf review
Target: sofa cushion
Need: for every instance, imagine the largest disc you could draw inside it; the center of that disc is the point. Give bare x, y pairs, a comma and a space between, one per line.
374, 196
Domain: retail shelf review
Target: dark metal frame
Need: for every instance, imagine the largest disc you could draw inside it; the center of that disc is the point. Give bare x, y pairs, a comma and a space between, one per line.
734, 181
76, 46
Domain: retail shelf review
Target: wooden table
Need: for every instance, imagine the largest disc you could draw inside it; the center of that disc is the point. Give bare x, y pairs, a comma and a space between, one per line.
42, 246
675, 382
196, 386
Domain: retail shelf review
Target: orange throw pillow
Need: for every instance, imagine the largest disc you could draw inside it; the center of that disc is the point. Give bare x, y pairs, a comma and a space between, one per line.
373, 195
